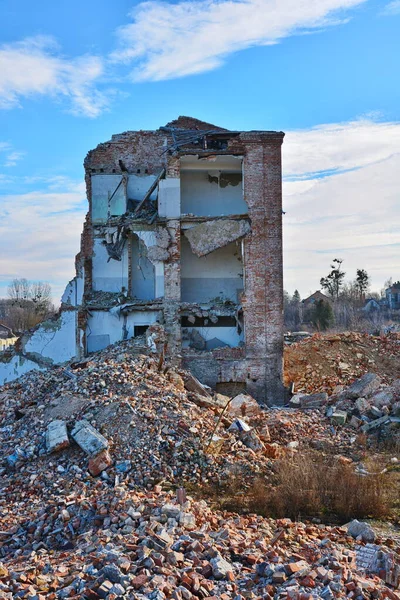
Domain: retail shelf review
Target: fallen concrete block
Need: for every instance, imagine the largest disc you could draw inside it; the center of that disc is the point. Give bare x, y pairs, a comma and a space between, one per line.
56, 436
363, 387
211, 235
362, 405
375, 424
251, 440
355, 422
243, 405
220, 567
313, 400
340, 417
88, 438
192, 384
239, 425
358, 529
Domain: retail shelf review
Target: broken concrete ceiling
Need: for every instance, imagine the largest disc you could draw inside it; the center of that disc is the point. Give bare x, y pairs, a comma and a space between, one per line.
211, 235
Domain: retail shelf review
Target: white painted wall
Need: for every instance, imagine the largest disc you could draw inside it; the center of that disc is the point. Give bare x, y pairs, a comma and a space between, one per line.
103, 187
169, 198
73, 292
17, 367
138, 185
206, 277
105, 328
55, 340
202, 198
109, 276
149, 238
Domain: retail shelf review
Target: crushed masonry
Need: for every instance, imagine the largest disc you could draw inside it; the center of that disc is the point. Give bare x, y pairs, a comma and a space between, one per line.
174, 214
108, 517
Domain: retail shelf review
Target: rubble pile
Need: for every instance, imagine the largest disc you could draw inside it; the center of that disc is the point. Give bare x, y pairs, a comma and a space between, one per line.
95, 459
131, 421
323, 361
153, 545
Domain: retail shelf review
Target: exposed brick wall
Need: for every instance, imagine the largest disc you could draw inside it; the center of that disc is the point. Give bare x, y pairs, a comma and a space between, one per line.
263, 298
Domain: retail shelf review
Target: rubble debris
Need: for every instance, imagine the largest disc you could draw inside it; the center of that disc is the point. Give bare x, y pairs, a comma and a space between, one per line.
120, 529
361, 531
90, 440
317, 364
99, 463
243, 405
56, 436
363, 387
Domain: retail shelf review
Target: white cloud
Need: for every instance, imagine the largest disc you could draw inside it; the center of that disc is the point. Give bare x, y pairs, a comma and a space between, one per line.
40, 233
339, 146
11, 156
393, 8
187, 37
354, 215
34, 67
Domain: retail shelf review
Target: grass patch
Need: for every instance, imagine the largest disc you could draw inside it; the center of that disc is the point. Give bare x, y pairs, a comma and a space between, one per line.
311, 485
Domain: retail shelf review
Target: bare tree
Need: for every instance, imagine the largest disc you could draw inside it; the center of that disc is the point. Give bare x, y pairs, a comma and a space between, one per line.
334, 280
28, 304
19, 290
40, 294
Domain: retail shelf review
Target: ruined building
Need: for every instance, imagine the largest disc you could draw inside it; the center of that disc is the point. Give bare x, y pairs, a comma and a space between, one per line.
182, 243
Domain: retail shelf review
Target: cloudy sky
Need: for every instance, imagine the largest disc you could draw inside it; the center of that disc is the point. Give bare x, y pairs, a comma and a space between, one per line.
324, 71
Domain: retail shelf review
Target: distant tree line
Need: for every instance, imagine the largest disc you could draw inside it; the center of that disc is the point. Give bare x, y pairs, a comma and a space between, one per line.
27, 304
343, 305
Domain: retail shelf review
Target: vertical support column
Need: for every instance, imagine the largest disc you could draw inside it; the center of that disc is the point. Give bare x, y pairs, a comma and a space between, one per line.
172, 268
263, 287
275, 392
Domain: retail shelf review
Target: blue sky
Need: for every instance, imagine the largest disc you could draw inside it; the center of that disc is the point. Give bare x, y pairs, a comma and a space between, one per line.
324, 71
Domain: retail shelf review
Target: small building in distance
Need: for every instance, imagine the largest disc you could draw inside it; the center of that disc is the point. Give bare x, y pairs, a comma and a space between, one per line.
315, 297
7, 337
393, 296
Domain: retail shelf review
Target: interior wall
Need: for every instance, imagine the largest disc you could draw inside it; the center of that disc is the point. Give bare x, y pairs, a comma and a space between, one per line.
228, 335
103, 187
55, 339
212, 192
219, 274
105, 328
138, 185
143, 272
109, 276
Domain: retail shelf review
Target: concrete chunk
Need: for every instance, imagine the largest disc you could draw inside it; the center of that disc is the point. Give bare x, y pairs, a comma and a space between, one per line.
88, 438
340, 417
211, 235
358, 529
376, 423
363, 387
220, 567
56, 436
243, 405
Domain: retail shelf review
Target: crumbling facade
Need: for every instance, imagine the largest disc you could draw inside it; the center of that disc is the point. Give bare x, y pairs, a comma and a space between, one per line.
181, 250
